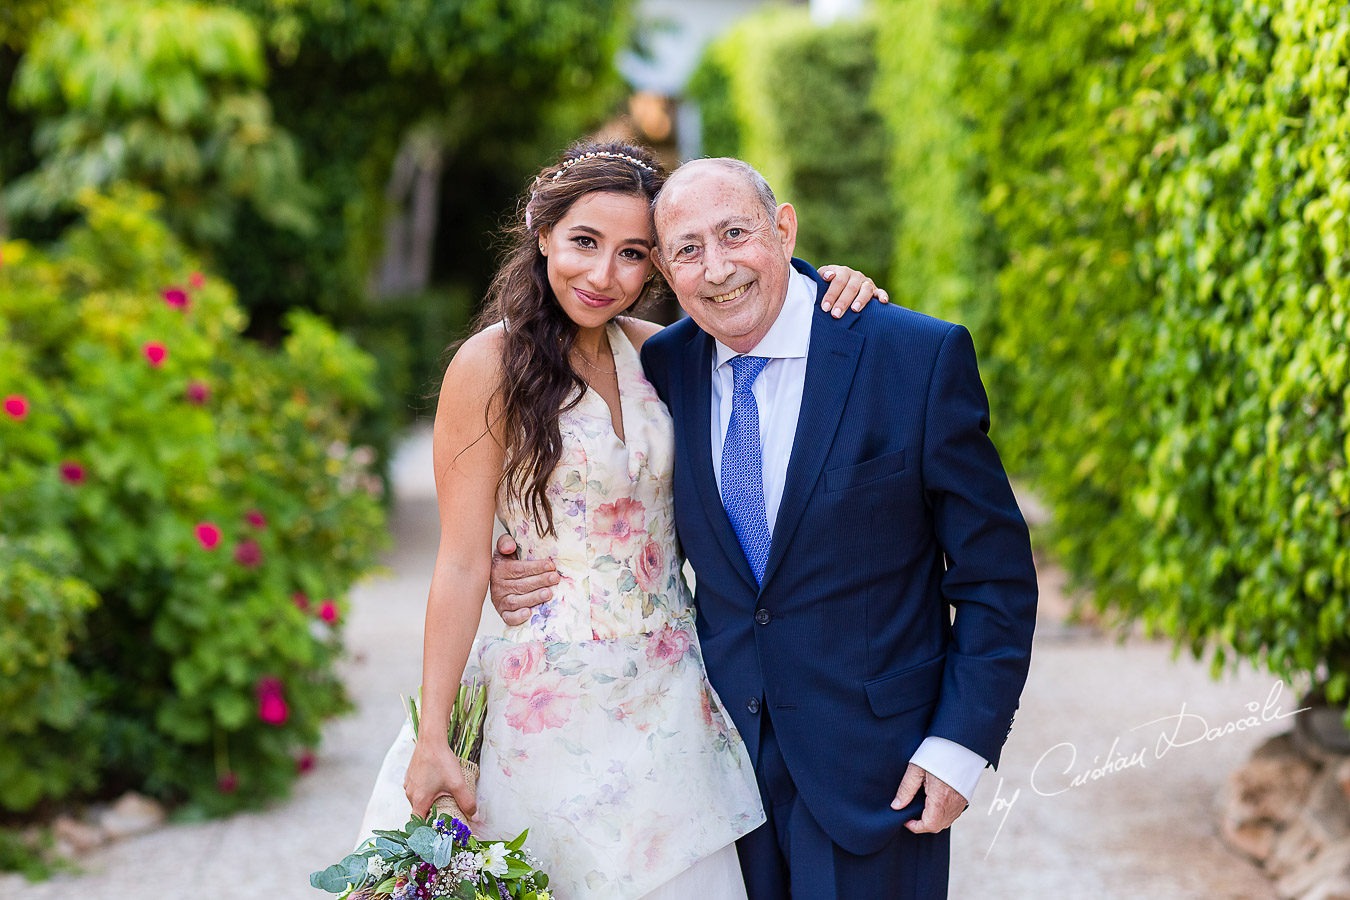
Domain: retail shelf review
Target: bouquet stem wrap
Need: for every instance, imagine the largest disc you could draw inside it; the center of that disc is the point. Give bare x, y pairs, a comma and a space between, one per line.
446, 805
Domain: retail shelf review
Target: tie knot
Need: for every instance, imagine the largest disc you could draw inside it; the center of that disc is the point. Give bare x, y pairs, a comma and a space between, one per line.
745, 369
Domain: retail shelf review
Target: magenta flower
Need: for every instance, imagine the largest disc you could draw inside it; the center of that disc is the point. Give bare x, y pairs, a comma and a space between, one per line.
272, 707
72, 472
197, 392
304, 762
197, 280
256, 518
208, 535
155, 352
175, 296
17, 406
227, 783
328, 611
248, 554
301, 601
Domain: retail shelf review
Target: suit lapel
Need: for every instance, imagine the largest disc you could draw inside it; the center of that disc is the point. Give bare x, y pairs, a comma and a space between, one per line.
830, 365
698, 444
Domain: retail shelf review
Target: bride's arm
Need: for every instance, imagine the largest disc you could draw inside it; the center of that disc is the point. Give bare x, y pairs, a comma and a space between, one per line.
468, 462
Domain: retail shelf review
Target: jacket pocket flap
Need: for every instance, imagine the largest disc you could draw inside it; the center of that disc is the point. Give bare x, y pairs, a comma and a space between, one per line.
868, 470
907, 689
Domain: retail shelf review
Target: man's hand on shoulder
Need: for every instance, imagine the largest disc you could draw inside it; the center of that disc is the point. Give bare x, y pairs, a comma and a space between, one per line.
519, 585
942, 803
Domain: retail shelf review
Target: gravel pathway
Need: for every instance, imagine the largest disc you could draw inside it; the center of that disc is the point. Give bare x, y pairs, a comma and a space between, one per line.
1146, 831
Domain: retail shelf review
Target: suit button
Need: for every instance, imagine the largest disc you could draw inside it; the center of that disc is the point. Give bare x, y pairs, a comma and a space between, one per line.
753, 705
762, 616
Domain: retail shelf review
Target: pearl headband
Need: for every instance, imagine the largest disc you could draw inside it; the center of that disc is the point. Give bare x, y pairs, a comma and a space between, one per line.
599, 153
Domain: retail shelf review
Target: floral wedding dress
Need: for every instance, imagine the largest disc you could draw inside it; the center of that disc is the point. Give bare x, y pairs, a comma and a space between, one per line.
603, 735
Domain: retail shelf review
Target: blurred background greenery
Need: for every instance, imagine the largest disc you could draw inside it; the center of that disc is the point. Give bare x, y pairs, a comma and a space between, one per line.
1139, 208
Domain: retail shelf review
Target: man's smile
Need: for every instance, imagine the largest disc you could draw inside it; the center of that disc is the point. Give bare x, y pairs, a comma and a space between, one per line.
731, 295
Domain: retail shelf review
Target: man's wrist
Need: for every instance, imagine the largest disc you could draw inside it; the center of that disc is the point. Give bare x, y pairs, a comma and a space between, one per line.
956, 766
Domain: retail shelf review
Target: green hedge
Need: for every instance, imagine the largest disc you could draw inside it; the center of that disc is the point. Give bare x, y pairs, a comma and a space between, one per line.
1144, 214
181, 516
794, 100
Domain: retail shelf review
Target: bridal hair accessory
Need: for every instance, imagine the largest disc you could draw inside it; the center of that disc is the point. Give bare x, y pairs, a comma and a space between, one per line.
607, 154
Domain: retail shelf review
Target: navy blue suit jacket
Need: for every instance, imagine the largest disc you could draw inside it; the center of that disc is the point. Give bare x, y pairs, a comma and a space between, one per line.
896, 513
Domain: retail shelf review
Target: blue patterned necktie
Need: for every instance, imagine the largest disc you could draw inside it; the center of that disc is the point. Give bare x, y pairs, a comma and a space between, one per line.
743, 466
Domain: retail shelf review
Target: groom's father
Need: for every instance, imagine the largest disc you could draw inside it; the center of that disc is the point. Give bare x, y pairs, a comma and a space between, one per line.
865, 595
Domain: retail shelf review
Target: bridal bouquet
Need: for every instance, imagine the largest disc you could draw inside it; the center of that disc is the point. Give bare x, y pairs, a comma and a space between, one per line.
435, 858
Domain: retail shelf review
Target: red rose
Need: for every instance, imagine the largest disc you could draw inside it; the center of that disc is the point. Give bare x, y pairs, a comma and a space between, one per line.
328, 611
198, 392
72, 472
304, 762
256, 518
17, 406
155, 352
301, 601
208, 535
227, 783
248, 554
176, 296
272, 707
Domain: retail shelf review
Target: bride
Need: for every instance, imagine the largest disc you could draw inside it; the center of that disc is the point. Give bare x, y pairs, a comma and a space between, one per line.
603, 735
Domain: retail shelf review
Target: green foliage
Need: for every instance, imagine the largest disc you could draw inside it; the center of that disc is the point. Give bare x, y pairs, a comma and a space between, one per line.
1147, 210
138, 425
164, 92
793, 100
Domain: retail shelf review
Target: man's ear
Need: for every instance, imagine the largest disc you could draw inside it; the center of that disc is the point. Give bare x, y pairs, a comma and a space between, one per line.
660, 261
786, 223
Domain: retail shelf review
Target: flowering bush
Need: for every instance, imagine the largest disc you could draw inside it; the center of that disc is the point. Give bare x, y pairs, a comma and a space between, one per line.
181, 515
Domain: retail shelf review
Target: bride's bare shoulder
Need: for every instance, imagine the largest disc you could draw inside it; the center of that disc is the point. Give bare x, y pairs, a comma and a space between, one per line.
638, 330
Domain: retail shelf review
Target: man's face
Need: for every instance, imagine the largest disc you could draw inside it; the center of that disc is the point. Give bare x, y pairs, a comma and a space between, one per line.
726, 259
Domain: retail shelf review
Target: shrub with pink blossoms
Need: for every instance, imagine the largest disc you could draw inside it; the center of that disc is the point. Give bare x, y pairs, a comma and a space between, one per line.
168, 495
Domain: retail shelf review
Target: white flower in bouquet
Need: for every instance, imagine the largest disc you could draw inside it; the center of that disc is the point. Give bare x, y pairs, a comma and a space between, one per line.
377, 868
493, 859
464, 866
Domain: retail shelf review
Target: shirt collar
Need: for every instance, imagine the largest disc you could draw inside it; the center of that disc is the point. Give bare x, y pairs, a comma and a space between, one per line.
790, 335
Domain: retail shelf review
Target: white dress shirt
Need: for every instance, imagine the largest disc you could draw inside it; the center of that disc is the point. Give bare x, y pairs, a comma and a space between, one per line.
778, 394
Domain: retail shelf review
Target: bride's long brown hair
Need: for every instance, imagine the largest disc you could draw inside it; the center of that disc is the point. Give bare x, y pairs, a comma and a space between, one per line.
538, 381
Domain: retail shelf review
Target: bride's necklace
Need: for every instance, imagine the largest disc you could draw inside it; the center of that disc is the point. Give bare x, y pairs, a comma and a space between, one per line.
592, 366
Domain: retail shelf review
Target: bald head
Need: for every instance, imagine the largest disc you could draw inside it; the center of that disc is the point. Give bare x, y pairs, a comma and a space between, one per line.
735, 167
725, 245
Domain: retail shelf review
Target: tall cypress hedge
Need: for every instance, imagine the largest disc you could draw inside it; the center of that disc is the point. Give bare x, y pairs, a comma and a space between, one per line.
1142, 209
793, 99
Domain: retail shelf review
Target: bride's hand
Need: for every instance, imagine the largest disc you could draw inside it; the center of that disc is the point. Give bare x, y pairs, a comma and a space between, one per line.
433, 772
849, 288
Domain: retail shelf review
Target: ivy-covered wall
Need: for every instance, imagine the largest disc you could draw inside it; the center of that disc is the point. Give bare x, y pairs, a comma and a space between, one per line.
1141, 208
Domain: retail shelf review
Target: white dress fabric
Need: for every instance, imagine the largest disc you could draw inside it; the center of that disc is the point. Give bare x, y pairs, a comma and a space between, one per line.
603, 735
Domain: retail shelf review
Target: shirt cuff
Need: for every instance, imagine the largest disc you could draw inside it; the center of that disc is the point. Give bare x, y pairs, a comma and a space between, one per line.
958, 767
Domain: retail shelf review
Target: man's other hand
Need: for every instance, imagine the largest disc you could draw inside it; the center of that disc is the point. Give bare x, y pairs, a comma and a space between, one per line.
942, 802
518, 585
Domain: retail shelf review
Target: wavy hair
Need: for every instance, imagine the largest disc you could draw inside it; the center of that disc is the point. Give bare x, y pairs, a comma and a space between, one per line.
538, 381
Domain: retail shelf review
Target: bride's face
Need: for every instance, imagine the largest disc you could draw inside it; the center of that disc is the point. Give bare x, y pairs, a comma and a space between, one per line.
599, 256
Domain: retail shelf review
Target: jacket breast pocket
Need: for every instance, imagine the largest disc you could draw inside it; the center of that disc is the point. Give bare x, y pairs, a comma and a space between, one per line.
897, 692
875, 469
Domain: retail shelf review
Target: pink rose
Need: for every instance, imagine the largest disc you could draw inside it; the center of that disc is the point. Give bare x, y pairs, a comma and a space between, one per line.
328, 611
197, 280
272, 707
208, 535
618, 523
256, 518
16, 405
72, 472
667, 646
519, 661
535, 709
197, 392
650, 567
155, 352
175, 296
248, 554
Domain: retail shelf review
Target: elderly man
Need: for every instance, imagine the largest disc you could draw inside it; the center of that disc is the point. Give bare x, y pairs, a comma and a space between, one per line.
866, 595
